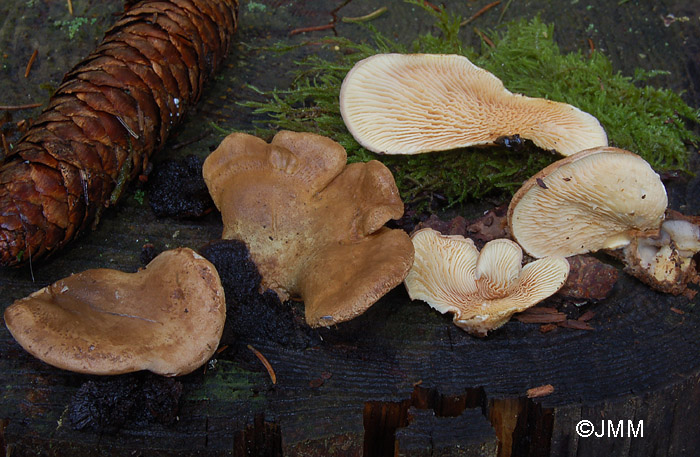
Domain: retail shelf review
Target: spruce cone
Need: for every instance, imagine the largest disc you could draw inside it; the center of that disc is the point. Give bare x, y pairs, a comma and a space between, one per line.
110, 113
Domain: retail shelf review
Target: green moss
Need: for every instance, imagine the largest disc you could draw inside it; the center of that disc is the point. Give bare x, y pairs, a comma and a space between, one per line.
649, 121
139, 196
640, 118
227, 382
73, 25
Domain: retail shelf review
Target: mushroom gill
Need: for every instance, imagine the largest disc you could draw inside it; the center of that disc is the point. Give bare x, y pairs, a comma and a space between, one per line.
482, 289
596, 199
314, 225
414, 103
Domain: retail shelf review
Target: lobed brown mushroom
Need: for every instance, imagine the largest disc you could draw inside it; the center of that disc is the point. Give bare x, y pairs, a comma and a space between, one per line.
413, 103
596, 199
167, 318
482, 289
314, 225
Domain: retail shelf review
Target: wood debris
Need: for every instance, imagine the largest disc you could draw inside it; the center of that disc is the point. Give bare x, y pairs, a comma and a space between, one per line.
540, 391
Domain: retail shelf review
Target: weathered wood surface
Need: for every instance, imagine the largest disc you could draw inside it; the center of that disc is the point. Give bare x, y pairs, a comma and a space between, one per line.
347, 389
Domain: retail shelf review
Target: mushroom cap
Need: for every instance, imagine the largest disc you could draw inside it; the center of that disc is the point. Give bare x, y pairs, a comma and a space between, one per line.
413, 103
596, 199
313, 225
482, 289
167, 318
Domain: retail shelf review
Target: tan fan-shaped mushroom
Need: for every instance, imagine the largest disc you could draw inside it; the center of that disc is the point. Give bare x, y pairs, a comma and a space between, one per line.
167, 318
413, 103
596, 199
485, 289
314, 226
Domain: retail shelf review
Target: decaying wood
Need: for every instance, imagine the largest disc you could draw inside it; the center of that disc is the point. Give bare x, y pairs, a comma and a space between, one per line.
111, 112
640, 362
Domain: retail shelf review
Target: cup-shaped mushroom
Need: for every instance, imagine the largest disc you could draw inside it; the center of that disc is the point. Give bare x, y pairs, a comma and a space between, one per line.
482, 289
313, 225
167, 318
413, 103
596, 199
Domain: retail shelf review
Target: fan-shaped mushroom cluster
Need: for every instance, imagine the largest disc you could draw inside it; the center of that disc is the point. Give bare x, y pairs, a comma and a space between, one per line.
597, 198
314, 225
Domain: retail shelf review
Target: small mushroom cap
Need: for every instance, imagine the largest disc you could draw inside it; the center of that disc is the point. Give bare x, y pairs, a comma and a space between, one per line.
167, 318
413, 103
665, 262
313, 225
482, 290
596, 199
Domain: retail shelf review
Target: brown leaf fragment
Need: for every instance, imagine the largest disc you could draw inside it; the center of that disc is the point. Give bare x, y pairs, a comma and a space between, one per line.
575, 325
540, 318
587, 316
490, 226
689, 293
589, 279
455, 226
540, 391
546, 328
541, 310
316, 383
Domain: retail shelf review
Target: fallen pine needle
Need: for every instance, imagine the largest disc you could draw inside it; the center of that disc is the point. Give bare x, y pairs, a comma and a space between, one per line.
540, 391
315, 28
19, 107
264, 361
367, 17
30, 63
677, 311
70, 7
480, 12
503, 11
433, 6
483, 36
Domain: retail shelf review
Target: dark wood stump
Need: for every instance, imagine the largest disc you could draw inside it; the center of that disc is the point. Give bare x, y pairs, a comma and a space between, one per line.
400, 379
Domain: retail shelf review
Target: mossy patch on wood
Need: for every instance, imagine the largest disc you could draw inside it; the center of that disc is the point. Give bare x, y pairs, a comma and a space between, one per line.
653, 122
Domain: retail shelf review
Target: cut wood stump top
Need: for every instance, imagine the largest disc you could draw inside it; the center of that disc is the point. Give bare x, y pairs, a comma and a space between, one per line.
400, 378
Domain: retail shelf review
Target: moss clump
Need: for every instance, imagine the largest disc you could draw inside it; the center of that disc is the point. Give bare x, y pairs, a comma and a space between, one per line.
649, 121
73, 25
